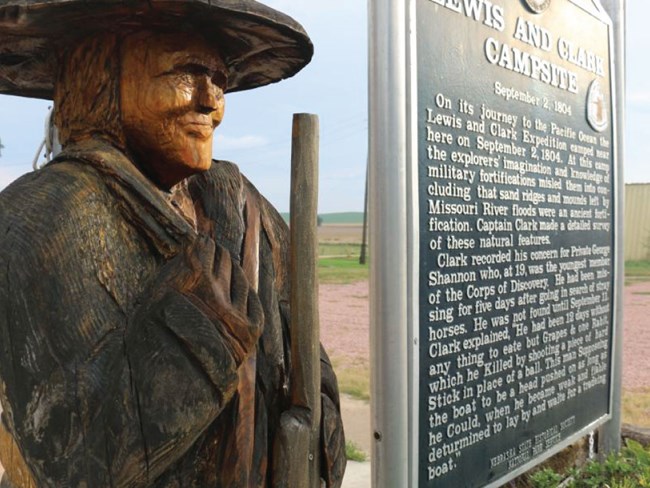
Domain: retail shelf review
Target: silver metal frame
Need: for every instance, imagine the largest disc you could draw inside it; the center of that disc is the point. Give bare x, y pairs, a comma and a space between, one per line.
414, 245
389, 285
610, 434
393, 204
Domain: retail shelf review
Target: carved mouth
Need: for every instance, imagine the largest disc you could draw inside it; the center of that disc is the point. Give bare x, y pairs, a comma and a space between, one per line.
199, 126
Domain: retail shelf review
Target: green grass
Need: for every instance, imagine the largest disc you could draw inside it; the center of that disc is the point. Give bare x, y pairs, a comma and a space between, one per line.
335, 218
636, 271
342, 218
353, 379
339, 249
628, 469
636, 407
341, 270
637, 268
354, 452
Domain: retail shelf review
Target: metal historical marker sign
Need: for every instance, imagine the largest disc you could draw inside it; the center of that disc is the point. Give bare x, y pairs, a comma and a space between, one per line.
510, 195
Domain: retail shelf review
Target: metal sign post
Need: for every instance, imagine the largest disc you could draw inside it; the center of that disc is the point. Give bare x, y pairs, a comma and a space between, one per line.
390, 282
610, 433
495, 191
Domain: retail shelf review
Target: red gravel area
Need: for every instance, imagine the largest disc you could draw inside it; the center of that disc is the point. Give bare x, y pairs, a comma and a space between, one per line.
636, 336
344, 321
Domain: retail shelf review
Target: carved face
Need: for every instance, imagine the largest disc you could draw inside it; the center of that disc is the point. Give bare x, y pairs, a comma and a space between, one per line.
171, 99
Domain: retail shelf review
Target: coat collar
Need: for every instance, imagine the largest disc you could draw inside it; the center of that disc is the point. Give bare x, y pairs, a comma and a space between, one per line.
142, 203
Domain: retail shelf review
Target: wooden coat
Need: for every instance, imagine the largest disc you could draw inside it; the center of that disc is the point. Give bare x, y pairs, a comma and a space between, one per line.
114, 368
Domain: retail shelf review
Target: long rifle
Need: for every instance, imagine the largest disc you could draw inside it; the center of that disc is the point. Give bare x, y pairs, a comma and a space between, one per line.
297, 453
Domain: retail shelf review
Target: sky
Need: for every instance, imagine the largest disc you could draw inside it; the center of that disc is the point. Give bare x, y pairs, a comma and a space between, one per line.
256, 132
637, 128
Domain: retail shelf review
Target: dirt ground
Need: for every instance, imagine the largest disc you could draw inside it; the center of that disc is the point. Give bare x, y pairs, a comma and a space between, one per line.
636, 336
345, 321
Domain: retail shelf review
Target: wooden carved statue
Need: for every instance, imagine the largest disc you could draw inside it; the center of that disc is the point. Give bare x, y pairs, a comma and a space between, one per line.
144, 315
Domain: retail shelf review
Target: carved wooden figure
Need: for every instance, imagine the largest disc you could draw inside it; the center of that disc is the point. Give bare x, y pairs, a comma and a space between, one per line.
144, 296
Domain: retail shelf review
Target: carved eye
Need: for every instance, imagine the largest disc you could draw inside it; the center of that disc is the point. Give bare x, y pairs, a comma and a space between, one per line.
220, 79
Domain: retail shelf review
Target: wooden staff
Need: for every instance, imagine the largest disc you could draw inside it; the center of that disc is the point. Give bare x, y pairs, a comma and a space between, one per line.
305, 326
297, 462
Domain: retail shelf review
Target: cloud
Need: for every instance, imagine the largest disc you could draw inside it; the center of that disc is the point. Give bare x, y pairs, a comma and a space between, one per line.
225, 143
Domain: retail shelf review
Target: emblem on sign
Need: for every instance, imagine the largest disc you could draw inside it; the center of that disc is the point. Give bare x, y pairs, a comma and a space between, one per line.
597, 114
538, 6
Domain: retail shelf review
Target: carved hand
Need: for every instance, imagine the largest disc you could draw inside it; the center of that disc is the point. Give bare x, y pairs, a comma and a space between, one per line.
218, 286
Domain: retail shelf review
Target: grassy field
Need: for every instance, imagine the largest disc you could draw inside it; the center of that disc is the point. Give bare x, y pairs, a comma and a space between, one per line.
636, 271
342, 218
341, 270
636, 407
354, 452
339, 250
354, 379
334, 218
339, 263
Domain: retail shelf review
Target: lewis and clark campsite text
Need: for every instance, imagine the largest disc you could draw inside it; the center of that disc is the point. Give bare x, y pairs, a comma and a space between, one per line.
516, 246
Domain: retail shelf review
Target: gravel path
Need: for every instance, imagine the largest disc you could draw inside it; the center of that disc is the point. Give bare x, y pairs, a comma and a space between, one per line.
344, 321
636, 336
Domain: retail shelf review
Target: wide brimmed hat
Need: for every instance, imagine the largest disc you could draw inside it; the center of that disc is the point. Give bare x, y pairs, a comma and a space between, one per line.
259, 44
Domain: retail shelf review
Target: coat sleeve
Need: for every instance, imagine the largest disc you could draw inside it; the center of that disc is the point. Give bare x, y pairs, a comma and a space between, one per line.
101, 385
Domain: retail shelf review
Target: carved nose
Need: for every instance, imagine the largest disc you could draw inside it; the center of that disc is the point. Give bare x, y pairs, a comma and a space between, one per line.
207, 95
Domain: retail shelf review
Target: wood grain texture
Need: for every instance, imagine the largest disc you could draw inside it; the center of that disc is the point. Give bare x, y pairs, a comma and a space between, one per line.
260, 44
87, 91
146, 333
305, 373
125, 250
